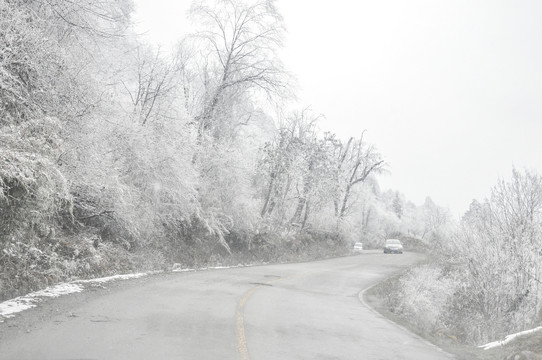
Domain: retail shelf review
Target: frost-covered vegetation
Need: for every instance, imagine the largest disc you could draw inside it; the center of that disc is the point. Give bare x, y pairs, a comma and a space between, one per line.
486, 281
114, 157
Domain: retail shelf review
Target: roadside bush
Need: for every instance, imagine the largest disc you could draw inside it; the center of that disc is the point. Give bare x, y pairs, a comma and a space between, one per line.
285, 245
425, 294
37, 263
486, 281
413, 244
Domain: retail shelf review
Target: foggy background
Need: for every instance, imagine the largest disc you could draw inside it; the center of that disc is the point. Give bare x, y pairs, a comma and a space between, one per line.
448, 91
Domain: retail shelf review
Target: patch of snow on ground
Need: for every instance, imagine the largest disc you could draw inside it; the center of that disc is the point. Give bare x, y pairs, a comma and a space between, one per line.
9, 308
177, 268
57, 290
114, 277
508, 338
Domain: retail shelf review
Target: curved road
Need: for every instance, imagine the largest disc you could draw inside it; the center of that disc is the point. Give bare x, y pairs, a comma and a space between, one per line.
293, 311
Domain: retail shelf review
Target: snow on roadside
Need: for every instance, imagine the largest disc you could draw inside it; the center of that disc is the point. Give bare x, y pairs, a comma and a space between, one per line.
9, 308
508, 338
114, 277
178, 268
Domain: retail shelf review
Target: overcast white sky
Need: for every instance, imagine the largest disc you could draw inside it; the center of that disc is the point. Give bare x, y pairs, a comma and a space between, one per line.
449, 91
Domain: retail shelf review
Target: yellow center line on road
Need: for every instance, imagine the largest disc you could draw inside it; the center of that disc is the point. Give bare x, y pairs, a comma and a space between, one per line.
241, 338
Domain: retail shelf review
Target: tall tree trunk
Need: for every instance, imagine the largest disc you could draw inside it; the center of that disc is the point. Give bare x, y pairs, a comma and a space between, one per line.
298, 211
345, 201
268, 195
307, 208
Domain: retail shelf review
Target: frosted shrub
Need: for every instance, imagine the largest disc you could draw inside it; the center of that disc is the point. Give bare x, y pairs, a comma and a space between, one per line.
425, 293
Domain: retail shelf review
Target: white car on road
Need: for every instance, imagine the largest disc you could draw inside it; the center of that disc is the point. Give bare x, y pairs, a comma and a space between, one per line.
393, 246
358, 247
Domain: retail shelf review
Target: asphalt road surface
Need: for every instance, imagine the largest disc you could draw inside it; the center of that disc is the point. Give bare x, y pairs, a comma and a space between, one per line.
293, 311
